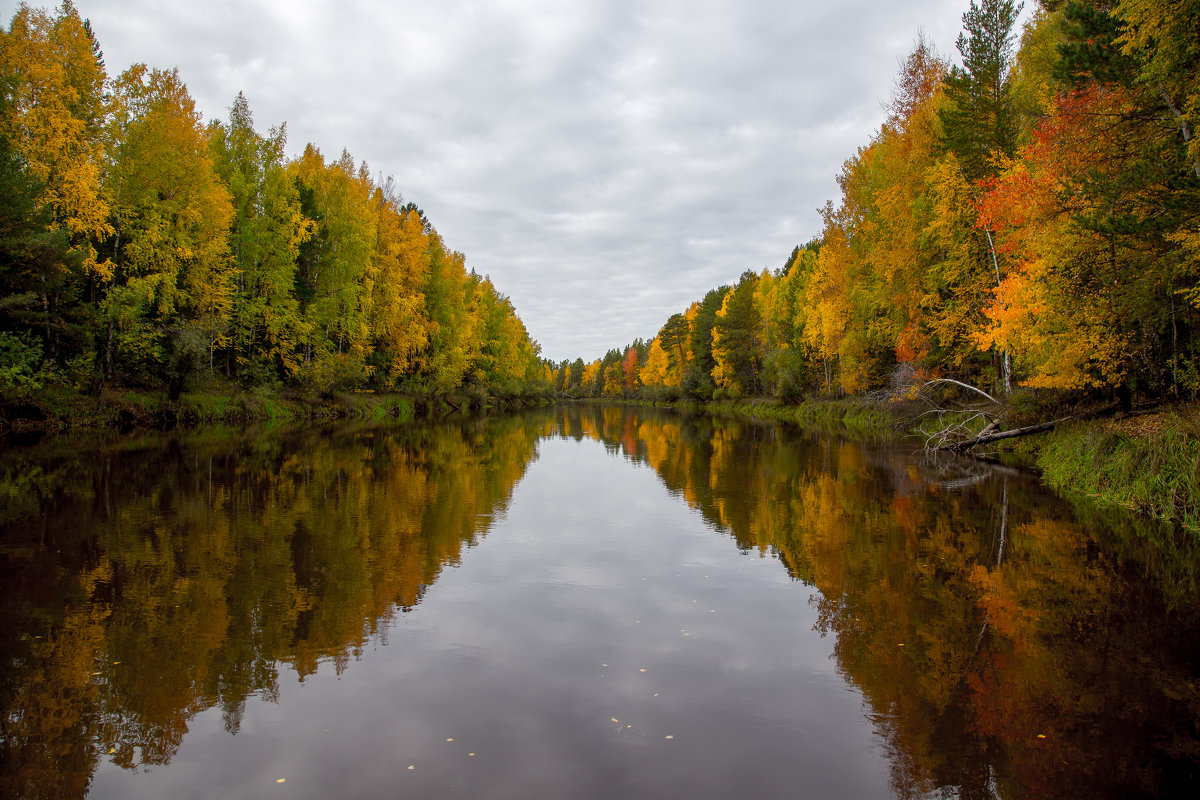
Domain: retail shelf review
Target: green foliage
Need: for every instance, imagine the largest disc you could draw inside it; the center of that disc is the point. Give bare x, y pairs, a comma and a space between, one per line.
739, 339
697, 385
788, 375
20, 362
1090, 49
979, 120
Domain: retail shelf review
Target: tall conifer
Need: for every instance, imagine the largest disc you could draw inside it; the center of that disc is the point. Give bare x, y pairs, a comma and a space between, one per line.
979, 120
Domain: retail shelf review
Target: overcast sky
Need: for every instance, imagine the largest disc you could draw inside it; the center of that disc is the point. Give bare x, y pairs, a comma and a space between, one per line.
605, 162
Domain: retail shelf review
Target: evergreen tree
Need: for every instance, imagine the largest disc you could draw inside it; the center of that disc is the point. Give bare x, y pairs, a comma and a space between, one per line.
698, 381
573, 387
738, 338
979, 119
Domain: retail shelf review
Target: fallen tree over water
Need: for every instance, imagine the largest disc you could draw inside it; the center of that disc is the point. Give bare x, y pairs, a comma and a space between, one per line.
959, 416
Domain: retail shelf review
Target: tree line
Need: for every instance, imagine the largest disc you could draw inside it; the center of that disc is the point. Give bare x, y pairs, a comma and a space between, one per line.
1028, 217
142, 247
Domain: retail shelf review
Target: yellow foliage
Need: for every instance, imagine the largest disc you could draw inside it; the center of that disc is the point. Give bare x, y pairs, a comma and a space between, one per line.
655, 372
58, 103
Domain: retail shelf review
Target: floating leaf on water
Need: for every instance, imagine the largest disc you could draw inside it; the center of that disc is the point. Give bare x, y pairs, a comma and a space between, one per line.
1041, 736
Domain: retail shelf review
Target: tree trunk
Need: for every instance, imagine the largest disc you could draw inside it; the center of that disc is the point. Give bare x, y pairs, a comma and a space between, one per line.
1009, 434
1184, 128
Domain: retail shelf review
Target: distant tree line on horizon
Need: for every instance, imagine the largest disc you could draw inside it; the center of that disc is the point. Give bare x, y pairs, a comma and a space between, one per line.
1030, 217
143, 248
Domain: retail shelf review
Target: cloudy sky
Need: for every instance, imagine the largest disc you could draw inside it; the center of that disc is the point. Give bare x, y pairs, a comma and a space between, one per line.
606, 162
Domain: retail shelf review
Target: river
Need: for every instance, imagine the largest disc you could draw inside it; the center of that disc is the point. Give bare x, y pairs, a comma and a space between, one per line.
583, 602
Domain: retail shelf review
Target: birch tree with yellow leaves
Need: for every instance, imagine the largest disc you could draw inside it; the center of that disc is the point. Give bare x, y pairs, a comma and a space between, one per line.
172, 294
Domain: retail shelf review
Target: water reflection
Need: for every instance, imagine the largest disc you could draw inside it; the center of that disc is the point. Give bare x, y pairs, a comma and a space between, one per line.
1001, 646
143, 583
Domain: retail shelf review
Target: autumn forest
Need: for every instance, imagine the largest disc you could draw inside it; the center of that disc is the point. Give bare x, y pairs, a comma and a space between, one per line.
1028, 218
140, 247
1028, 215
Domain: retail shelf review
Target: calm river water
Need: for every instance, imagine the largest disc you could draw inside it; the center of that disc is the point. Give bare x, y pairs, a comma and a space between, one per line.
578, 603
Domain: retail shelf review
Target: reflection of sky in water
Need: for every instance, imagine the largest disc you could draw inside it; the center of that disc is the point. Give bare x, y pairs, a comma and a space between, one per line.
982, 638
526, 653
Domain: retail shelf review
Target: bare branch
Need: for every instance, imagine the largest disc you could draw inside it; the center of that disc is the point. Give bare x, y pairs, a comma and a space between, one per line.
963, 385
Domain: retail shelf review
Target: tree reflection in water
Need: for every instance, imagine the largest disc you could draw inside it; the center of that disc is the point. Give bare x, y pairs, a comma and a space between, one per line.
1003, 643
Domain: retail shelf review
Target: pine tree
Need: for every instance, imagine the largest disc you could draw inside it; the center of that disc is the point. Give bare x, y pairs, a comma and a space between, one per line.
980, 120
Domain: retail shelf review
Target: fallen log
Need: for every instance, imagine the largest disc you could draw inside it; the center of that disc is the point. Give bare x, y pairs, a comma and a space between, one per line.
984, 438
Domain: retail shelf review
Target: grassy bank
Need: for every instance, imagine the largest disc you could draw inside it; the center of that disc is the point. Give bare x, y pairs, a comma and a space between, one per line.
863, 420
1146, 463
57, 409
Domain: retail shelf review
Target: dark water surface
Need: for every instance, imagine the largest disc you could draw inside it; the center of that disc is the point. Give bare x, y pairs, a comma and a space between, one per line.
578, 603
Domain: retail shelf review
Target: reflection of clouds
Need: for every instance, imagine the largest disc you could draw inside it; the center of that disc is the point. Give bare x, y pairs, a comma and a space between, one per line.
530, 652
505, 652
525, 650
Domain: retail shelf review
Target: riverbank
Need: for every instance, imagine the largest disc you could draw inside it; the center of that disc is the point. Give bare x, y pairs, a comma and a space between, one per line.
1148, 463
863, 420
128, 409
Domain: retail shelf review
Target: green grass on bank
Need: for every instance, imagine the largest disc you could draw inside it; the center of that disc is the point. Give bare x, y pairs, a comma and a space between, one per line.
1148, 465
59, 409
861, 419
